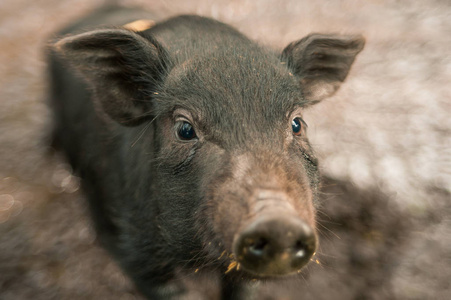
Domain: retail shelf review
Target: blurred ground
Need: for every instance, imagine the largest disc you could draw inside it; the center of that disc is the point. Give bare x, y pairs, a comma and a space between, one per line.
384, 140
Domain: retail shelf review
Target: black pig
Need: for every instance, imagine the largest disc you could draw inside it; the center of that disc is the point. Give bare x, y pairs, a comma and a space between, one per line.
191, 146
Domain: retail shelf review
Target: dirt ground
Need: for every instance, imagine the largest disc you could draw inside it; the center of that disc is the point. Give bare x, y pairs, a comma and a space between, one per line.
384, 143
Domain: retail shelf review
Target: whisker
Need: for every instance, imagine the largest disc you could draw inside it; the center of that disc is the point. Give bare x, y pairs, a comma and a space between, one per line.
141, 133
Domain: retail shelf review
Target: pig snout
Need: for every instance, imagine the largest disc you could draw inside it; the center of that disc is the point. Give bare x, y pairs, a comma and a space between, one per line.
276, 242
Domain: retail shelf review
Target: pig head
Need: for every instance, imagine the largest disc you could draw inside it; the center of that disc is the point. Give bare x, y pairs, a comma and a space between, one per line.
210, 126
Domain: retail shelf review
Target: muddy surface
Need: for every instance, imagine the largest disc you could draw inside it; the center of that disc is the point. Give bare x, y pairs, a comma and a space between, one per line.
384, 141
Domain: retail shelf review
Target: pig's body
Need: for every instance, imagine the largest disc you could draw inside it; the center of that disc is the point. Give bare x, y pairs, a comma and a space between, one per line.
190, 143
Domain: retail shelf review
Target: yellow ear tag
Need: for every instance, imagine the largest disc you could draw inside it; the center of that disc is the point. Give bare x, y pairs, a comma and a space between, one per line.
139, 25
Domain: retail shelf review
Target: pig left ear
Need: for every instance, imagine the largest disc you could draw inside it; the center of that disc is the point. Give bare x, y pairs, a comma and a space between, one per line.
322, 62
123, 68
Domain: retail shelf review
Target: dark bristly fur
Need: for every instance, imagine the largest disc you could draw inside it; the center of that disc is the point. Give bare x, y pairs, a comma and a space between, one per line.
165, 206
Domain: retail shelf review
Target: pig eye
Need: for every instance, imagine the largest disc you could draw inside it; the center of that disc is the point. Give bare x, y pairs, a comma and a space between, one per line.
296, 125
186, 131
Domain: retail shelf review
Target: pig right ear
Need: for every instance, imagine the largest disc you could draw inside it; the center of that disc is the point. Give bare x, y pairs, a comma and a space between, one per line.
123, 68
322, 62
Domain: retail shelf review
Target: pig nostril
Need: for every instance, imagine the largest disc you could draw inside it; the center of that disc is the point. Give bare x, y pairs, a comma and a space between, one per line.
257, 248
271, 246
